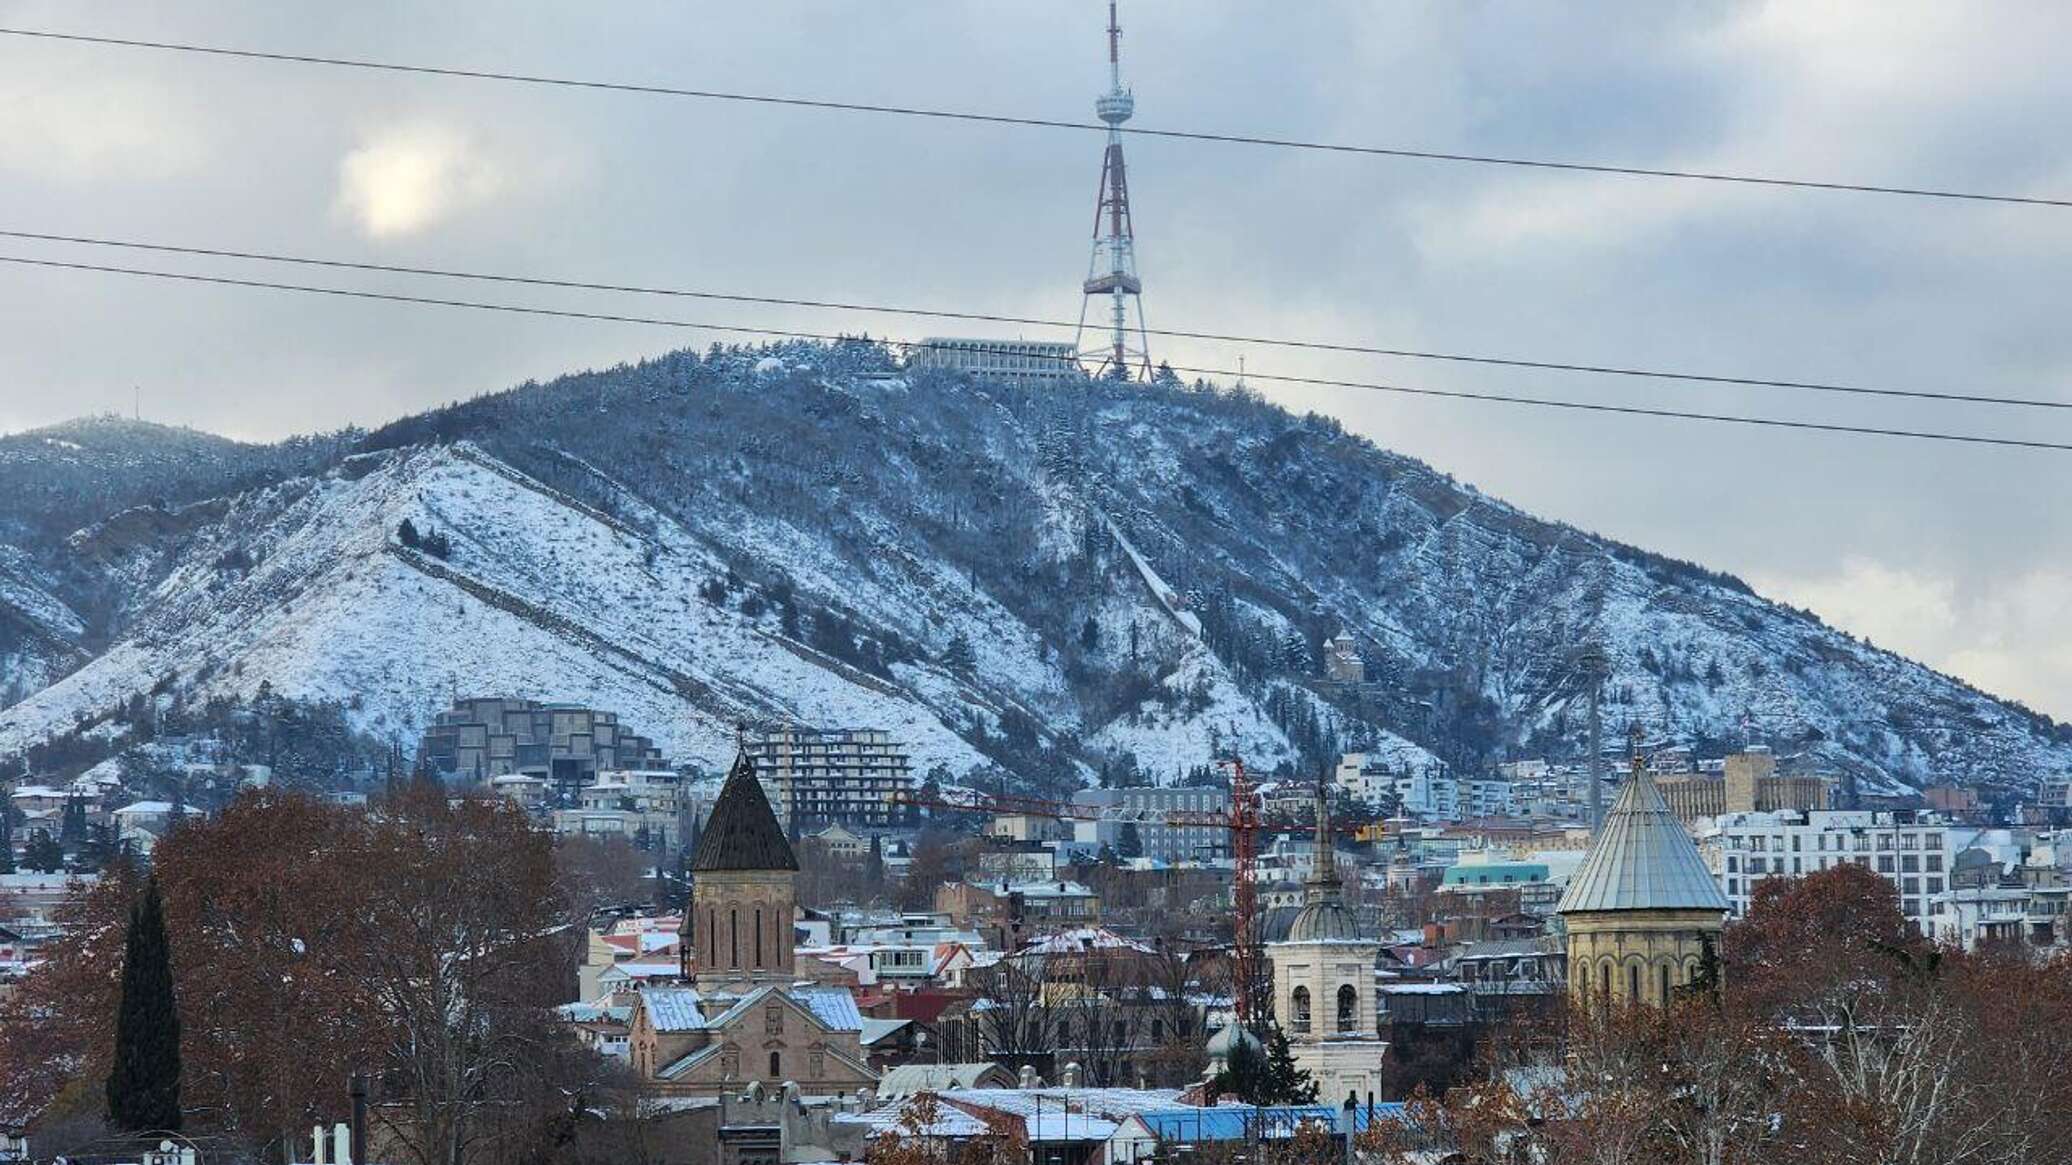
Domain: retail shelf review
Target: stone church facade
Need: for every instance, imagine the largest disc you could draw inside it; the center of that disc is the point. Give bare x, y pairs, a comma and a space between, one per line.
745, 1018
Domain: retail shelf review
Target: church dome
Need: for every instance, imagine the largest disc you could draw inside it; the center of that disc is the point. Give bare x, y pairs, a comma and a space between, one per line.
1323, 920
1228, 1037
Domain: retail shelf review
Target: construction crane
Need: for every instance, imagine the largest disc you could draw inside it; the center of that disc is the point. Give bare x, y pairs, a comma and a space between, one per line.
1246, 955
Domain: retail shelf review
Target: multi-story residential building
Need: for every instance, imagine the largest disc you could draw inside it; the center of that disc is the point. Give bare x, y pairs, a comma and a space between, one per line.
1747, 782
1972, 917
817, 776
564, 744
641, 806
1485, 797
1364, 780
1909, 850
1190, 839
1021, 361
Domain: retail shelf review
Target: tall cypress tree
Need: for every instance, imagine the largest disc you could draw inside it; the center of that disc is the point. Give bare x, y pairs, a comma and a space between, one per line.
144, 1085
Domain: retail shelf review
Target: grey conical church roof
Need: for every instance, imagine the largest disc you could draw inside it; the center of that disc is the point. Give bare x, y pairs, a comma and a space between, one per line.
1642, 859
743, 833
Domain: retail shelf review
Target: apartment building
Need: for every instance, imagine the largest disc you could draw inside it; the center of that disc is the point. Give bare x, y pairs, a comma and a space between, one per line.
566, 745
818, 776
1746, 782
1150, 806
1908, 849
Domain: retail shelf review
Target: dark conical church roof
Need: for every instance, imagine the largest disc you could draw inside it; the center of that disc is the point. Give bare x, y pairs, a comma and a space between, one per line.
743, 833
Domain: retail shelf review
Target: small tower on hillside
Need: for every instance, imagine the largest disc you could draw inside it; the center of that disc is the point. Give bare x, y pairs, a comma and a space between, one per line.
737, 933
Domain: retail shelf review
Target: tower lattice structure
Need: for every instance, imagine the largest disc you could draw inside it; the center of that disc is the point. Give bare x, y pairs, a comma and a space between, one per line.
1111, 276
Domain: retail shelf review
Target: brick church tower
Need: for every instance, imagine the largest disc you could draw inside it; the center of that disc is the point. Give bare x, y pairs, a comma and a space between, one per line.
737, 934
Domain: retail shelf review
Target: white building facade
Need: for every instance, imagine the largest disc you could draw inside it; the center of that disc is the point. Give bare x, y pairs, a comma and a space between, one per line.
1908, 850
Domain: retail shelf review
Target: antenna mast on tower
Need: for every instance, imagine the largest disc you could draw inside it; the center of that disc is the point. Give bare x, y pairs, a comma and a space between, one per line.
1112, 275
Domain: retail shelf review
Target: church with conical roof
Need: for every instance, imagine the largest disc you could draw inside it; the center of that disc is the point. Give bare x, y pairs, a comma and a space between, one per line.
737, 932
1643, 908
745, 1017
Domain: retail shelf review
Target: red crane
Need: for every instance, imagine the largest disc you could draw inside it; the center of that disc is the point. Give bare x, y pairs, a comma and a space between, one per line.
1245, 960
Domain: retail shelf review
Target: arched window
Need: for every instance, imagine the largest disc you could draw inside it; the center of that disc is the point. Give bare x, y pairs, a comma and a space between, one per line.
1583, 977
1633, 982
758, 936
776, 1067
1348, 1008
1665, 984
1604, 979
734, 937
1299, 1004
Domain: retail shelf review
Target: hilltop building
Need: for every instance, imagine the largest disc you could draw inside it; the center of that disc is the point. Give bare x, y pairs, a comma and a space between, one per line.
481, 738
1323, 981
1342, 662
1643, 913
1016, 361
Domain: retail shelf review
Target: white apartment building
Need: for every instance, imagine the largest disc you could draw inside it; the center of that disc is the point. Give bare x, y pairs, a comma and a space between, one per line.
1909, 850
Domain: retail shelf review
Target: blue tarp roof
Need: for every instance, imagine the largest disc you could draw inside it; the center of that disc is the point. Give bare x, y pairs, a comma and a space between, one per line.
1231, 1122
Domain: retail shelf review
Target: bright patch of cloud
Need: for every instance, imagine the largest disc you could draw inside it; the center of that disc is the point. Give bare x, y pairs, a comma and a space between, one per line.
1988, 635
109, 130
403, 179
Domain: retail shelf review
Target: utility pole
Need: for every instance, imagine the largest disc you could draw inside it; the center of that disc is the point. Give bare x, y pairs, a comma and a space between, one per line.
1594, 666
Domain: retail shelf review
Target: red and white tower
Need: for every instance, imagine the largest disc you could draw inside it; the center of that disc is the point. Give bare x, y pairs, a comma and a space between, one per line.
1112, 276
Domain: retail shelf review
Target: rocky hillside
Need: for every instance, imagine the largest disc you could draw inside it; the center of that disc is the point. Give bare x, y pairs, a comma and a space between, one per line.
1047, 581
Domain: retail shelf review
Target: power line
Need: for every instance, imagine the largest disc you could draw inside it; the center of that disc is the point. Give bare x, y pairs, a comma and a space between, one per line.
1035, 321
1368, 386
1032, 122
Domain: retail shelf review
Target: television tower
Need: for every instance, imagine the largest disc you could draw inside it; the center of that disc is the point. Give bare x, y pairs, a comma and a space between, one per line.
1112, 275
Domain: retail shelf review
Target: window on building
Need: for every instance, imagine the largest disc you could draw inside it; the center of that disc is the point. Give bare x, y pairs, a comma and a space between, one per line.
1298, 1003
1633, 982
776, 1066
1884, 863
1909, 864
1348, 1008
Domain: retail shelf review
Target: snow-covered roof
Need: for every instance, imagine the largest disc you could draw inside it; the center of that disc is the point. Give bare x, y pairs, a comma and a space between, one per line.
145, 808
877, 1029
673, 1009
1643, 859
950, 1121
908, 1079
1071, 942
835, 1006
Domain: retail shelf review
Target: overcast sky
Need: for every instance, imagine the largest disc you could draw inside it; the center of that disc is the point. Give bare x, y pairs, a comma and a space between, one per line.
1961, 557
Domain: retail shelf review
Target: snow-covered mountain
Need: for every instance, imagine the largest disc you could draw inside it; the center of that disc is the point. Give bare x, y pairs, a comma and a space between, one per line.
1044, 579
